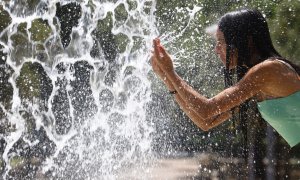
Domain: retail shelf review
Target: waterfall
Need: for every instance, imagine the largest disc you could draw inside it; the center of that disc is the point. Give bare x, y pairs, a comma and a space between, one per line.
75, 87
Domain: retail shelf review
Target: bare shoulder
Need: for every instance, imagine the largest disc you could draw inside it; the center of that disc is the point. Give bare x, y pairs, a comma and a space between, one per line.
266, 74
274, 78
267, 66
268, 70
261, 71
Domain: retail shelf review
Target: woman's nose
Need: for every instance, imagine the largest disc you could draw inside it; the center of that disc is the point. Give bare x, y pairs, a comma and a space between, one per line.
217, 49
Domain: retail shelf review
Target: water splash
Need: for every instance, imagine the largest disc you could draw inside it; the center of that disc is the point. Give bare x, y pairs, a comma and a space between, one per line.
77, 72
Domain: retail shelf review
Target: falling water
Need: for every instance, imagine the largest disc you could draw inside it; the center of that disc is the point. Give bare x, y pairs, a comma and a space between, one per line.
75, 87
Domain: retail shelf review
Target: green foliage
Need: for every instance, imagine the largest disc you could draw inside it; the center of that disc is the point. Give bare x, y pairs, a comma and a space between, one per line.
5, 19
28, 82
105, 25
32, 3
121, 42
17, 162
120, 14
40, 30
132, 4
33, 82
285, 28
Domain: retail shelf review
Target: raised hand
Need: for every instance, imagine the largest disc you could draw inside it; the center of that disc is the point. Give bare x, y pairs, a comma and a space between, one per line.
157, 67
164, 60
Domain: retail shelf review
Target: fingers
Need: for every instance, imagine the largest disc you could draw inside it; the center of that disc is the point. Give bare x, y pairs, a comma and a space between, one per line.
153, 61
163, 51
159, 50
155, 67
158, 40
156, 44
161, 58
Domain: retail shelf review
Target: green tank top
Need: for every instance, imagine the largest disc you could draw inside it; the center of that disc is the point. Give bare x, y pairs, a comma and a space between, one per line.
283, 114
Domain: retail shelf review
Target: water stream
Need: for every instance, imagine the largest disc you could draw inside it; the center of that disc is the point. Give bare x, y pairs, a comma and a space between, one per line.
75, 87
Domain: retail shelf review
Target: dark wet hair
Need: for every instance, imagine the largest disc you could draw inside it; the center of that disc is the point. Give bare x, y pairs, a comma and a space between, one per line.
243, 29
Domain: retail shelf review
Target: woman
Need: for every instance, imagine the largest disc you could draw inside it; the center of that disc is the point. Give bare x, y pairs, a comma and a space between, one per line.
245, 48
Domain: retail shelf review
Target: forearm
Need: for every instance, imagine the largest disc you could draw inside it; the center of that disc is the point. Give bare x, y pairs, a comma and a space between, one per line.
192, 113
168, 84
198, 120
196, 101
204, 124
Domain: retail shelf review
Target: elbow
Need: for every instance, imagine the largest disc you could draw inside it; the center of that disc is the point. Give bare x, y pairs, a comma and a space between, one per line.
205, 128
209, 111
201, 124
205, 115
208, 124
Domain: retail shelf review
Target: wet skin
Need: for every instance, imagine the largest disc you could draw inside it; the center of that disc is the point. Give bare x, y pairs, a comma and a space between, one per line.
266, 79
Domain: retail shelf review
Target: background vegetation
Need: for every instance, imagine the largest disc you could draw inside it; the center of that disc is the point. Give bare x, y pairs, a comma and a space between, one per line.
183, 33
182, 25
193, 50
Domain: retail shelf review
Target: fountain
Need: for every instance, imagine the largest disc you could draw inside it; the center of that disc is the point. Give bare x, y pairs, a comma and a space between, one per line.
75, 87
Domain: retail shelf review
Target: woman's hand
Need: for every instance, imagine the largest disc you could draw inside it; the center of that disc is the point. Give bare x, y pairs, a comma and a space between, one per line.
162, 75
156, 68
160, 72
164, 61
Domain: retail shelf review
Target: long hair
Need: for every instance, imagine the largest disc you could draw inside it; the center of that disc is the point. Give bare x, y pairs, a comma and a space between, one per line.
246, 31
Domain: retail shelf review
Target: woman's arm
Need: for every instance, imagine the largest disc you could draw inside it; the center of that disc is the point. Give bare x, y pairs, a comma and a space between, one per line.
204, 124
248, 87
222, 102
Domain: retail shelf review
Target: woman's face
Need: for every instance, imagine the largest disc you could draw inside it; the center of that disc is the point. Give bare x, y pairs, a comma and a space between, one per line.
220, 49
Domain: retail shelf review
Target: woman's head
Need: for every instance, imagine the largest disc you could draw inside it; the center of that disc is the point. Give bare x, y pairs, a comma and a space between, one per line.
247, 39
